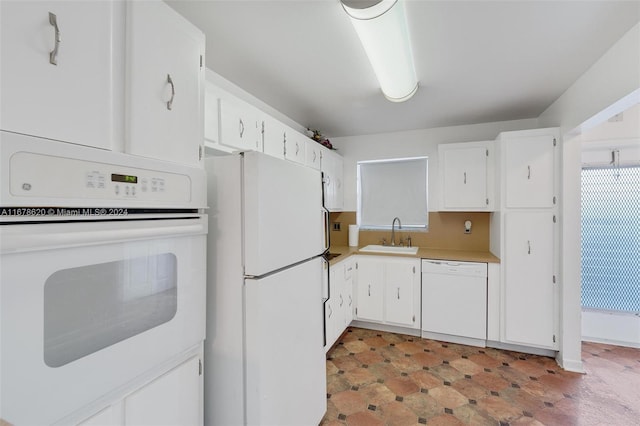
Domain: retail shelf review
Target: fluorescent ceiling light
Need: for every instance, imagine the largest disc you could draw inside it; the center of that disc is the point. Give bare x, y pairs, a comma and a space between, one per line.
382, 28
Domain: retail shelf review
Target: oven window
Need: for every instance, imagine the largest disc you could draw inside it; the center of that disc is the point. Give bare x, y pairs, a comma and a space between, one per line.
89, 308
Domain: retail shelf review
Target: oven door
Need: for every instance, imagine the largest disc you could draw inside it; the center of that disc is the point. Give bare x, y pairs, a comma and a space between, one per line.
88, 307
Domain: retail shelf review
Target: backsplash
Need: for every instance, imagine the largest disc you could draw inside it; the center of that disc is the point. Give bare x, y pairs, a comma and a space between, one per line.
446, 231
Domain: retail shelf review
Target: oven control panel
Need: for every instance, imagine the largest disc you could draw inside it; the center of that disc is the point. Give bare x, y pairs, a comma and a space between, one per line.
48, 176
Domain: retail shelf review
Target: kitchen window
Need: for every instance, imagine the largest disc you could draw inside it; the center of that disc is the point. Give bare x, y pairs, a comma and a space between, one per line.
393, 188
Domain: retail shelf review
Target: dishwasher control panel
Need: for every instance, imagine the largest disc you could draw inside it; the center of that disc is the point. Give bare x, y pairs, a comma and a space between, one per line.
453, 267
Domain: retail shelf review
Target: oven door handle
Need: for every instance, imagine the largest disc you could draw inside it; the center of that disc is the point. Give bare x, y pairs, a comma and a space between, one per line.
34, 237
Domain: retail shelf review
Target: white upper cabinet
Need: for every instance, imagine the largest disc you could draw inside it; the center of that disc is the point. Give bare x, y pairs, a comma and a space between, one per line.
529, 173
312, 156
332, 168
466, 174
61, 65
240, 128
295, 146
274, 135
165, 84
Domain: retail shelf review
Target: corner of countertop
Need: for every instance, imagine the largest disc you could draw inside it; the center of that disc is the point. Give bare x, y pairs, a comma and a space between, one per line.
423, 253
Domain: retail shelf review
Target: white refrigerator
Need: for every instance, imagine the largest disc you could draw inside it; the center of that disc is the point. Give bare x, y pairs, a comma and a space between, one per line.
264, 349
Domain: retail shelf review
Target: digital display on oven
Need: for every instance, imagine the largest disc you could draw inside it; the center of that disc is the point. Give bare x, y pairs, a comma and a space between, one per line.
124, 178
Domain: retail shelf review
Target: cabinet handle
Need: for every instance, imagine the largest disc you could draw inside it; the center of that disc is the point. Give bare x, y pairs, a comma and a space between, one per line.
369, 289
465, 178
297, 149
330, 311
528, 172
398, 293
314, 156
528, 247
53, 55
173, 92
341, 301
350, 300
241, 127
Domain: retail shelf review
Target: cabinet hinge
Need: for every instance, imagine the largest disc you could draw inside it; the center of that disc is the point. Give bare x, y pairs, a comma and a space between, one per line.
284, 144
200, 153
554, 338
201, 59
199, 367
554, 144
554, 218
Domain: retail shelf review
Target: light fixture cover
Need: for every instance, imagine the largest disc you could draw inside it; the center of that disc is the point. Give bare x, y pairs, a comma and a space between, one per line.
382, 28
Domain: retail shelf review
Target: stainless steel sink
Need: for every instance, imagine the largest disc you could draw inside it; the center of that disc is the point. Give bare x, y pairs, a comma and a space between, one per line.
374, 248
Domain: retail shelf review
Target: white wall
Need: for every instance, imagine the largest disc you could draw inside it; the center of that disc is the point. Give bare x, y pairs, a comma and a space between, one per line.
610, 86
410, 144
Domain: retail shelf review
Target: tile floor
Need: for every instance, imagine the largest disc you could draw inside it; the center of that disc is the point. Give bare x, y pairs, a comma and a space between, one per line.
378, 378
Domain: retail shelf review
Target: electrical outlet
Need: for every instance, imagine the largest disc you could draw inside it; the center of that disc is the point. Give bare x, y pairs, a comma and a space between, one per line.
336, 226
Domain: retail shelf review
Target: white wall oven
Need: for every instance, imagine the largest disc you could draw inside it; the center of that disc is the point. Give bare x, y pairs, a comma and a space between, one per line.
102, 273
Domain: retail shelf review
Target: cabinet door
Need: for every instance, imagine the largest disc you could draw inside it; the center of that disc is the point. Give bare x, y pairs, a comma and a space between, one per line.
312, 154
239, 125
73, 100
273, 133
331, 166
172, 399
529, 165
348, 293
370, 289
329, 323
400, 279
165, 84
295, 146
464, 176
529, 301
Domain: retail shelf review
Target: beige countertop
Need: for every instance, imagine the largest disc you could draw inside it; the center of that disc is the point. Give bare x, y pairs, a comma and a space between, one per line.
423, 253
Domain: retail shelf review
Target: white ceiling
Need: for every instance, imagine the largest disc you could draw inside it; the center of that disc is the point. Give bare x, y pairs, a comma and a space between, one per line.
477, 61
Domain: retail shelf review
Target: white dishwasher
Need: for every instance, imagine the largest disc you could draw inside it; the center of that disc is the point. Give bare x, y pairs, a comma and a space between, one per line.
454, 301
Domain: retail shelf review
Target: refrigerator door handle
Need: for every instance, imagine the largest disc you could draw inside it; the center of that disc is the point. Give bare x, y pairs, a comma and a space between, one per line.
325, 269
327, 231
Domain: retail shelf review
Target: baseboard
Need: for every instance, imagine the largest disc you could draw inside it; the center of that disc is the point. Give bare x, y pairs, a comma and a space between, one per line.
481, 343
611, 342
521, 348
572, 365
385, 327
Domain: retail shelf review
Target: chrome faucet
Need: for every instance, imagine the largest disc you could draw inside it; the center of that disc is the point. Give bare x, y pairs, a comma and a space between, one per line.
393, 230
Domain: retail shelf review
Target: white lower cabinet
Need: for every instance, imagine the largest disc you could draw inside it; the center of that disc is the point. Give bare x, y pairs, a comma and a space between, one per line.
339, 306
388, 290
173, 398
